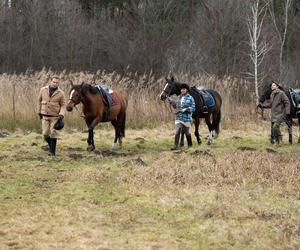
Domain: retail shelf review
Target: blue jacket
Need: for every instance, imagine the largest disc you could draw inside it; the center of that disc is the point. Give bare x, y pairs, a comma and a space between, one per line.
186, 107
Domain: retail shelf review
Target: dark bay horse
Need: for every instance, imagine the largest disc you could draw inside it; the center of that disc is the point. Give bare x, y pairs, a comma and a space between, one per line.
266, 95
212, 117
94, 108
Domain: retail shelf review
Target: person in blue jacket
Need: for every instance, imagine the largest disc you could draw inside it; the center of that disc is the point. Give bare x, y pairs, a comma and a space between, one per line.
183, 121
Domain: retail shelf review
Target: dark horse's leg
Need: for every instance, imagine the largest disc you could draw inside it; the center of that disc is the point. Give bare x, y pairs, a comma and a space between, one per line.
289, 123
216, 123
197, 123
299, 130
210, 128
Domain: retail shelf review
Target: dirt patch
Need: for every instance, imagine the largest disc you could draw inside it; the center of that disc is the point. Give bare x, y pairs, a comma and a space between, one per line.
106, 153
236, 137
72, 149
272, 151
246, 149
201, 153
75, 156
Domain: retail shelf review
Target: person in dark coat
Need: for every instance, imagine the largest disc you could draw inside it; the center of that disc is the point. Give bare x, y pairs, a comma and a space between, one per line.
280, 108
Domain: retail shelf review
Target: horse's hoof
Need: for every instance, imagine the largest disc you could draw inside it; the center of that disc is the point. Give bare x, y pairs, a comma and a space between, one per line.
90, 148
199, 142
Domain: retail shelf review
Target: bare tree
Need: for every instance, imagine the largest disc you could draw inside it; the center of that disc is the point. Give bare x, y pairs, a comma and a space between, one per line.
259, 47
281, 34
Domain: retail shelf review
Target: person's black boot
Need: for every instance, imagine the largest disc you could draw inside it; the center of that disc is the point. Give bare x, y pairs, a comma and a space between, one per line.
189, 140
52, 150
176, 142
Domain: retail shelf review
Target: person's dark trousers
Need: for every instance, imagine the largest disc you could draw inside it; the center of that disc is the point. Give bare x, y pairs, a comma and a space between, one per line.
182, 138
188, 136
52, 150
276, 132
272, 138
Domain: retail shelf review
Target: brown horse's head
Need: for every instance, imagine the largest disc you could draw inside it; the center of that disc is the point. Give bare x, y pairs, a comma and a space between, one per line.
75, 96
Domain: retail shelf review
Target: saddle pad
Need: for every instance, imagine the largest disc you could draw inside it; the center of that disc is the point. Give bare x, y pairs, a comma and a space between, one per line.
209, 99
114, 97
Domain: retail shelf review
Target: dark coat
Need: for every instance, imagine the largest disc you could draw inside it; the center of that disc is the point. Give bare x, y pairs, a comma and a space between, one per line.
280, 106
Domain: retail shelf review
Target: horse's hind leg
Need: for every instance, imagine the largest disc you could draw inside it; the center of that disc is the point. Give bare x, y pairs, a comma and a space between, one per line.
197, 123
115, 124
210, 128
299, 130
290, 130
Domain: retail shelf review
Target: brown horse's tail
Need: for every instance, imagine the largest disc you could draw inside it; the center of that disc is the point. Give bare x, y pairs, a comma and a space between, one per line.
123, 125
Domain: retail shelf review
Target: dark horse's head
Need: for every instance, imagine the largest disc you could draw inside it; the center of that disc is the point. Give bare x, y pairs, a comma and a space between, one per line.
76, 95
267, 91
171, 88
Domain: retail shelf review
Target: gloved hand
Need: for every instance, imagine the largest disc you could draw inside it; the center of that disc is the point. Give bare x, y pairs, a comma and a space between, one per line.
260, 106
60, 117
185, 110
40, 116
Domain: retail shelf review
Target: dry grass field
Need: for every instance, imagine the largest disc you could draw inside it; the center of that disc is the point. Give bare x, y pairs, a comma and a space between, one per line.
239, 193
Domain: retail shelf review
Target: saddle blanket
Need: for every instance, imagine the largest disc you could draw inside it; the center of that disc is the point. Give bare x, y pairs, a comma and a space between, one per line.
208, 98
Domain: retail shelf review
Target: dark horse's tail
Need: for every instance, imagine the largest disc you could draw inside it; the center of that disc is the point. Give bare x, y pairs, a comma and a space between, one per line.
217, 113
217, 122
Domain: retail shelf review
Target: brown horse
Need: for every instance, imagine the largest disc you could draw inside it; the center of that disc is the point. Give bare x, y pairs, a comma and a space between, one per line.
94, 111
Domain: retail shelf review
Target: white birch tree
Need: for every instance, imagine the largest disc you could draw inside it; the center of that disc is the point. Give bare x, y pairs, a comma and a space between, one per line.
259, 47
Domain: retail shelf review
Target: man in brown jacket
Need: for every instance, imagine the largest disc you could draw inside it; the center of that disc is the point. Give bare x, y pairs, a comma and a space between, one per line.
280, 108
51, 107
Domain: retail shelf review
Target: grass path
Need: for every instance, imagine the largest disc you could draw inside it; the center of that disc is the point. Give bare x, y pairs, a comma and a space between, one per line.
239, 193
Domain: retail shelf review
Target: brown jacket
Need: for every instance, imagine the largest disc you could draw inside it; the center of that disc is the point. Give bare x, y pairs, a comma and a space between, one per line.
54, 105
280, 106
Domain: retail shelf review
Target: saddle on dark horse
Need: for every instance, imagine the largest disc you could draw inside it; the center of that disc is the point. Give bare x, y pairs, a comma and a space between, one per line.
295, 97
208, 101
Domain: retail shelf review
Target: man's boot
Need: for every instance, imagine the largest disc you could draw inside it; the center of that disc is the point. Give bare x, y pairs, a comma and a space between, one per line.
176, 142
189, 140
48, 140
53, 147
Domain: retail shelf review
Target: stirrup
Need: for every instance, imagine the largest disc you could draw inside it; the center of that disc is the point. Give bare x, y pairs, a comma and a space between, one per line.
205, 109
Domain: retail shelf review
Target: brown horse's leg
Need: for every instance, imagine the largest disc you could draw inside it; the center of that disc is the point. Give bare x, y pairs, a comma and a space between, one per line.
94, 122
115, 124
197, 123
